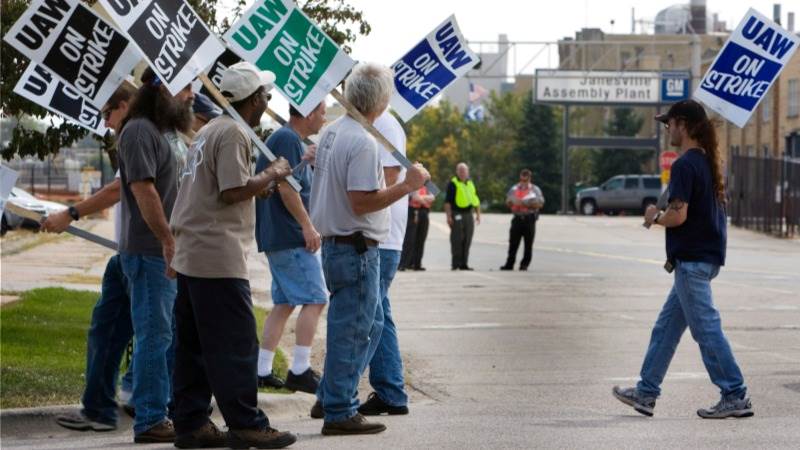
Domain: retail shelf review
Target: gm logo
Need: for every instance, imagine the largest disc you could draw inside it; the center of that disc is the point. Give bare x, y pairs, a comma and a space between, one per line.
674, 86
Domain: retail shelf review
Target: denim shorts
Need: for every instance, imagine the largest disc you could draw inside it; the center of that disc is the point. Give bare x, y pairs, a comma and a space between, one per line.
297, 277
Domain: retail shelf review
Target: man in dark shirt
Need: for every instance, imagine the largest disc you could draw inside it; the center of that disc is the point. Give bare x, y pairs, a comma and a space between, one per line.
461, 200
696, 239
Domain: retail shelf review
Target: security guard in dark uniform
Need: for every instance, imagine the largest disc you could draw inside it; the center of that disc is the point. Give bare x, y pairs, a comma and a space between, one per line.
461, 200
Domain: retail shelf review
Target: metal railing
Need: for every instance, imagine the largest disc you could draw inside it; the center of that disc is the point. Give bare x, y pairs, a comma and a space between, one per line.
765, 194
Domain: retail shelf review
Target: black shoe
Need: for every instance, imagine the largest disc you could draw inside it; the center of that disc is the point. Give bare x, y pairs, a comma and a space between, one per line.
316, 411
207, 436
455, 268
523, 269
466, 268
357, 424
420, 269
506, 267
401, 269
307, 381
129, 410
270, 381
374, 406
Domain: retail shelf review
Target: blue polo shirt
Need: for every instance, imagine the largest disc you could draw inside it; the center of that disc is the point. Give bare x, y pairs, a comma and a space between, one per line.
703, 237
276, 228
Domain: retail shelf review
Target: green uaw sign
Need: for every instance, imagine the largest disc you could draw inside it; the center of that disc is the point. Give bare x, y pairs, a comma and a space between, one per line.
277, 36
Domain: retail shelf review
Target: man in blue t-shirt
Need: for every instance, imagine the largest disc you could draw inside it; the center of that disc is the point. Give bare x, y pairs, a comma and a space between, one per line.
696, 238
285, 233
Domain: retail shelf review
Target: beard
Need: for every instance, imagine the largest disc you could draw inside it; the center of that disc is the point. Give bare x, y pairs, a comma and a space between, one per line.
176, 114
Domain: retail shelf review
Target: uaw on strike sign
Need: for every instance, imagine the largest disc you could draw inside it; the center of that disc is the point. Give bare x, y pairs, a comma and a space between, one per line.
746, 67
432, 65
175, 42
277, 36
76, 45
38, 85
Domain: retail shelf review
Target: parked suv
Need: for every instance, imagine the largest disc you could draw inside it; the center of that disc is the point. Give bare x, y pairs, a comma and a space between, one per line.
620, 193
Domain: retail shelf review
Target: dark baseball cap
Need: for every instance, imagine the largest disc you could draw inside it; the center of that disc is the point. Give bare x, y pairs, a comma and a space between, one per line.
203, 105
690, 110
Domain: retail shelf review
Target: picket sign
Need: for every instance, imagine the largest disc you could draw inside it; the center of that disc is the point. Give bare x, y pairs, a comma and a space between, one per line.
401, 158
746, 67
76, 45
33, 215
260, 145
40, 86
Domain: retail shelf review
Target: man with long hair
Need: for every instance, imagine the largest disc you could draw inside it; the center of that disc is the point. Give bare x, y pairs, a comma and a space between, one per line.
213, 222
149, 181
111, 328
696, 238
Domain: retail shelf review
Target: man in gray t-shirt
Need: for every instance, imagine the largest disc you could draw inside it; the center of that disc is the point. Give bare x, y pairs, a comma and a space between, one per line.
148, 176
348, 208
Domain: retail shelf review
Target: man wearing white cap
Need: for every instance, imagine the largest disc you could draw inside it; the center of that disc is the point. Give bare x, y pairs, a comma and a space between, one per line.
213, 221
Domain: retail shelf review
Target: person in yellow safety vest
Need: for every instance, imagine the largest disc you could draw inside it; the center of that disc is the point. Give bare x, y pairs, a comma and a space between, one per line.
460, 202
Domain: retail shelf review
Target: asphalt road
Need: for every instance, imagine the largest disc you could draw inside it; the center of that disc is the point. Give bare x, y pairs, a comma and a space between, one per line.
528, 359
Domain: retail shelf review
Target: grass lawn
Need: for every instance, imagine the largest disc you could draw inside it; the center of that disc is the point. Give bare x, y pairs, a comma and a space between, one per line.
43, 347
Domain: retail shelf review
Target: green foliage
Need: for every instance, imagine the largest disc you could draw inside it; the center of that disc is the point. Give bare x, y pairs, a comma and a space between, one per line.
43, 354
340, 20
515, 134
609, 162
540, 149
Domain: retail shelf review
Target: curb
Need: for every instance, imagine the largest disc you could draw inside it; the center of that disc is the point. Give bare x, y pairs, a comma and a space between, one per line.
20, 421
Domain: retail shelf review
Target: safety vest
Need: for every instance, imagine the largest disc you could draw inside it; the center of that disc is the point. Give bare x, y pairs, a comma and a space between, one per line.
520, 193
466, 195
423, 191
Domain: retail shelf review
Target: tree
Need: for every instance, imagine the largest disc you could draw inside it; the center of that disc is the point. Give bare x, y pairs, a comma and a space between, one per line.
343, 23
610, 162
539, 150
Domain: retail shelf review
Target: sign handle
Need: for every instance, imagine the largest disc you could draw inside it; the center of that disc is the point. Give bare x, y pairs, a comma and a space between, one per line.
33, 215
235, 115
432, 188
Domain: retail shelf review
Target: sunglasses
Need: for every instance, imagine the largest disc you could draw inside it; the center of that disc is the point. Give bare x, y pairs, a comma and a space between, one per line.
267, 96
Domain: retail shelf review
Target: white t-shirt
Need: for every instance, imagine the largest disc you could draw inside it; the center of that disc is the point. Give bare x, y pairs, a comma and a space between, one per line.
398, 211
117, 217
347, 160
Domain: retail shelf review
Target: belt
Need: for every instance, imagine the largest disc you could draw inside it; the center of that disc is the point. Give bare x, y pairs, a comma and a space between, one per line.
350, 240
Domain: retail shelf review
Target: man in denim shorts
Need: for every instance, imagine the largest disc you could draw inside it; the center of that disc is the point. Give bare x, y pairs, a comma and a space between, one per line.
285, 233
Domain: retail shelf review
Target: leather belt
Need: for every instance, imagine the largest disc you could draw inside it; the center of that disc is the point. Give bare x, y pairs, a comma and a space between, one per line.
350, 240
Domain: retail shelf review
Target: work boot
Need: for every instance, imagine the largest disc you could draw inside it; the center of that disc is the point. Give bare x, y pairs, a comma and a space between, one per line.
357, 424
163, 431
316, 411
270, 381
631, 397
735, 407
506, 267
307, 381
207, 436
267, 438
79, 422
374, 406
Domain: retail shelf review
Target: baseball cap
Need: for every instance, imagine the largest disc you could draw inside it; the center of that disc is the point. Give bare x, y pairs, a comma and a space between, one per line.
240, 80
690, 110
203, 105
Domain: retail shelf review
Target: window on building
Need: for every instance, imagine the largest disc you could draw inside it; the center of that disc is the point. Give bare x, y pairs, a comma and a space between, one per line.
794, 98
766, 106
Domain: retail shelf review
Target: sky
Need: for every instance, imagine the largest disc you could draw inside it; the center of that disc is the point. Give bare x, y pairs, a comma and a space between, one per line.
398, 25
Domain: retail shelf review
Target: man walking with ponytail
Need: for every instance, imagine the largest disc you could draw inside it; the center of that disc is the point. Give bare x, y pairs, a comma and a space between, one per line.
696, 235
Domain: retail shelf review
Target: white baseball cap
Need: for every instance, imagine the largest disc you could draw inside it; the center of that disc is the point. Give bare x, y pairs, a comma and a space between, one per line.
240, 80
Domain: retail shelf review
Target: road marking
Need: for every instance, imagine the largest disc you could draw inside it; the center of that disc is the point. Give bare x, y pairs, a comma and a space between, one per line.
462, 326
669, 376
777, 291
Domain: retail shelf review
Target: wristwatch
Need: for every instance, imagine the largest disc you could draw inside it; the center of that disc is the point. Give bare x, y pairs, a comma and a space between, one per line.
73, 212
658, 216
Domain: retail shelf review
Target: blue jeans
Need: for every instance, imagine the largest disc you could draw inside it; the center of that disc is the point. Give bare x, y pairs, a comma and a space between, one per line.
354, 325
690, 304
152, 311
109, 334
386, 366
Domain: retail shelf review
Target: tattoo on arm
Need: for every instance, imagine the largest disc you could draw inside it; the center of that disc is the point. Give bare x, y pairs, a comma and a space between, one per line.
677, 205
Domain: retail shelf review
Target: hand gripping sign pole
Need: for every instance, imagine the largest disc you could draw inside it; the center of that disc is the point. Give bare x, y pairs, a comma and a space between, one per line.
33, 215
252, 134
